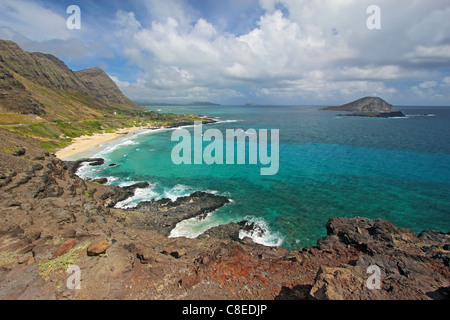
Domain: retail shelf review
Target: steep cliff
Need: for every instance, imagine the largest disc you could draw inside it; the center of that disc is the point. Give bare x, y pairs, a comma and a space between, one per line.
41, 84
103, 88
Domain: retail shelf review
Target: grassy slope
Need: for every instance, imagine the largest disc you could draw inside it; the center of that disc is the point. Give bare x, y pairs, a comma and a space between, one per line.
70, 115
58, 134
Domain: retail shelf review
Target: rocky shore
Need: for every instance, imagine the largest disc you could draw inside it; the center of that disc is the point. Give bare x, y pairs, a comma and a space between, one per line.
51, 219
393, 114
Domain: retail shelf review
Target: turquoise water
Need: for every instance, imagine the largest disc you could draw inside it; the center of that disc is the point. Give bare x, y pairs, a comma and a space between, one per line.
397, 169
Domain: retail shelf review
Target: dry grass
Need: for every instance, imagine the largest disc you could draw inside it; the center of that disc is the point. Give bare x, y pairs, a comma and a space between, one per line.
9, 118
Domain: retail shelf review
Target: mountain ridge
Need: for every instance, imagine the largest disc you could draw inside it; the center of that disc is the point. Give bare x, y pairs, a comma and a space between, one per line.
38, 83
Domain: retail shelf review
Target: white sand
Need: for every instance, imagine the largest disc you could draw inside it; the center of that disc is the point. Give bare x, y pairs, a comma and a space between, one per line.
85, 143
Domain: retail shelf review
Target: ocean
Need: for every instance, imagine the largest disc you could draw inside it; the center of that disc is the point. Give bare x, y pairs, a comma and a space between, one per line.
396, 169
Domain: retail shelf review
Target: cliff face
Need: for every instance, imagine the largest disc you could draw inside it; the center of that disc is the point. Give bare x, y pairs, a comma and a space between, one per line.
367, 104
37, 83
103, 88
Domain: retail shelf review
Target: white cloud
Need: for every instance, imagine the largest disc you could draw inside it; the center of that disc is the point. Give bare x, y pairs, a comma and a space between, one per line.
275, 50
429, 53
326, 91
428, 84
120, 84
320, 47
296, 48
32, 20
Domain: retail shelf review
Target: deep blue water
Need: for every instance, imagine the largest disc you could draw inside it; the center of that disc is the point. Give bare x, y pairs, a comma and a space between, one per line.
396, 169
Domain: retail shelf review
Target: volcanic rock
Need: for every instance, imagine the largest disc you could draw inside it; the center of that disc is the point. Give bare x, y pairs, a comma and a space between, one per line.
367, 104
97, 247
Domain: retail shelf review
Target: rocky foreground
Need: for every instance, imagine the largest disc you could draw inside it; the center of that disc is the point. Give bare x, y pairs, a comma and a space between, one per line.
51, 219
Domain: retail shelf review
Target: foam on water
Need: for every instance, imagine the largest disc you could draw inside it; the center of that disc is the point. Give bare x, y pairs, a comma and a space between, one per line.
144, 194
192, 228
176, 192
262, 234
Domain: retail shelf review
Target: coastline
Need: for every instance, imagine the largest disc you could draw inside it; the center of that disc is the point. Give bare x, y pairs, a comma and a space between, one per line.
126, 254
86, 143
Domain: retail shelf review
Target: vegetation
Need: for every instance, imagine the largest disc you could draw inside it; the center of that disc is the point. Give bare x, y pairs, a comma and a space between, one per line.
61, 263
42, 99
53, 135
8, 257
9, 118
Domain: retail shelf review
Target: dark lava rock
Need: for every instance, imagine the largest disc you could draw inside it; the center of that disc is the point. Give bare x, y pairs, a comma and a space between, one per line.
100, 181
224, 231
394, 114
118, 194
73, 166
164, 214
20, 151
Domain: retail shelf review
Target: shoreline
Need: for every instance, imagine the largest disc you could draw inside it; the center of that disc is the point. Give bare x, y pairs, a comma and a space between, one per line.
52, 218
86, 143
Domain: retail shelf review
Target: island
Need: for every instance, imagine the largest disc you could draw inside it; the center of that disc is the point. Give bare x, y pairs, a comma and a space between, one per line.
373, 107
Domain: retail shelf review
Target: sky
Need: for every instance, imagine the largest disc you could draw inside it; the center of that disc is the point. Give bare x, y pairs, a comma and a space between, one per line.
296, 52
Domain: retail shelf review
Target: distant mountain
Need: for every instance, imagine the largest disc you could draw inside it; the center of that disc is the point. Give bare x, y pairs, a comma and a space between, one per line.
162, 104
41, 84
367, 104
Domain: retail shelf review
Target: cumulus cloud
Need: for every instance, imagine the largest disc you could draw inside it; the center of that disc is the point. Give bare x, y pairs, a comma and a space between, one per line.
31, 19
268, 50
295, 48
35, 27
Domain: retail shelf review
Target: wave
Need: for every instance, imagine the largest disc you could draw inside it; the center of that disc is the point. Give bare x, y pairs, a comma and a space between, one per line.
176, 192
192, 228
259, 231
151, 193
421, 115
256, 228
85, 171
145, 194
114, 145
228, 121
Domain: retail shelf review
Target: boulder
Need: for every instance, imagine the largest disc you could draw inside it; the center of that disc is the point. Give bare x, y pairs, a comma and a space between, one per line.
65, 247
97, 247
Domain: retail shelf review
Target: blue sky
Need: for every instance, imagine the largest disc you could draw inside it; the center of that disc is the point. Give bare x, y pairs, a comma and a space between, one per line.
237, 51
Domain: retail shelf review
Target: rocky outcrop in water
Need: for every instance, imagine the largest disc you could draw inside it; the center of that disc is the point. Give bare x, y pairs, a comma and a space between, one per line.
164, 214
367, 104
394, 114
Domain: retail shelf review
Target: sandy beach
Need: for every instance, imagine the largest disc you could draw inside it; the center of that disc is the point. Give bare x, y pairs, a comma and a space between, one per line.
85, 143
